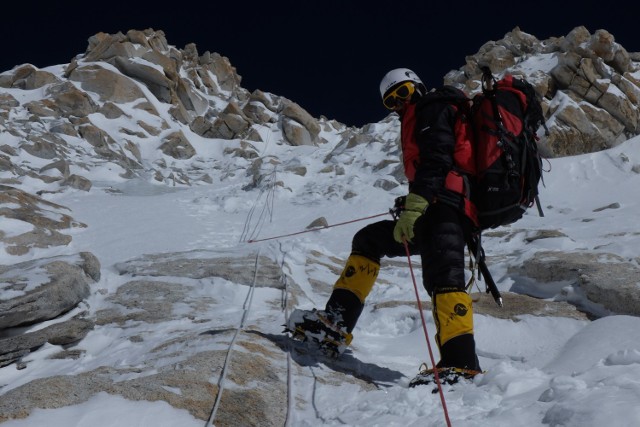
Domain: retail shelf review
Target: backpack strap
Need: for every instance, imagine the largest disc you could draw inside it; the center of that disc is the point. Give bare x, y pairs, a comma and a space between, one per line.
475, 247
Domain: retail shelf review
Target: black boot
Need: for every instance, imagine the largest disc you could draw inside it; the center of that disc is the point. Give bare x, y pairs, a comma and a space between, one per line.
459, 352
344, 308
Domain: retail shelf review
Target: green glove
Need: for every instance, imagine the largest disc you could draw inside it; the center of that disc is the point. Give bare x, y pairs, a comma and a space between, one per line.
414, 207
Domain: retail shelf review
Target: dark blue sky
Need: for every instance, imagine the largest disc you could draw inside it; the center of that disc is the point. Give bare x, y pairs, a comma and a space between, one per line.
326, 55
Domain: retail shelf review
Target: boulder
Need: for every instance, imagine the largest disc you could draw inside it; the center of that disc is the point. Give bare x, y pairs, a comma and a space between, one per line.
42, 289
608, 281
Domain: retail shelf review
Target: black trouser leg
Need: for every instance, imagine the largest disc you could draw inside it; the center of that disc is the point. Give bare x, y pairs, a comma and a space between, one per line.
442, 234
369, 245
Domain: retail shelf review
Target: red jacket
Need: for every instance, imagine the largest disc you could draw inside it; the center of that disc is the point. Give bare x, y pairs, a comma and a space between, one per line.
436, 148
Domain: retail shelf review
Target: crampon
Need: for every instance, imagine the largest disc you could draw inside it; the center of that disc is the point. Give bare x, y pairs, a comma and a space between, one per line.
314, 327
448, 376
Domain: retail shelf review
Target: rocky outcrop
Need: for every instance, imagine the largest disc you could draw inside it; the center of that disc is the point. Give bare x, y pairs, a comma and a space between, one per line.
37, 222
590, 87
258, 370
65, 284
139, 68
43, 290
64, 333
608, 281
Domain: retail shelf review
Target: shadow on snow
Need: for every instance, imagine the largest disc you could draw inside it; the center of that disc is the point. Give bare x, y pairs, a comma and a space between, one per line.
305, 354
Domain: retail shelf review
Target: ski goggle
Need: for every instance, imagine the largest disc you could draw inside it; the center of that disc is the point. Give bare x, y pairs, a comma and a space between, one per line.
402, 93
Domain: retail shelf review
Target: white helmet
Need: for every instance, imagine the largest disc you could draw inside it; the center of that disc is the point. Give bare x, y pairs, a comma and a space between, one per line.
399, 75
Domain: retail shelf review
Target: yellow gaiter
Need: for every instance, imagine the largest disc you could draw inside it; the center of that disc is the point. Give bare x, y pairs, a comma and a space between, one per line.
358, 276
453, 314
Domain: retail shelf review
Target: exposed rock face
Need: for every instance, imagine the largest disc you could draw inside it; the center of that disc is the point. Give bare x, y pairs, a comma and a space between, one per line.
258, 370
141, 69
64, 283
65, 287
43, 289
590, 91
607, 280
63, 333
41, 221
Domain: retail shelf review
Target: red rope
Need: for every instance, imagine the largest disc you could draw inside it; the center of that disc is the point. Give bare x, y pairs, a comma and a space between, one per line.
317, 228
426, 335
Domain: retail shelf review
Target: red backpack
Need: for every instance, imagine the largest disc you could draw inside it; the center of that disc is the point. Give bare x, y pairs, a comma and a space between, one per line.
508, 167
